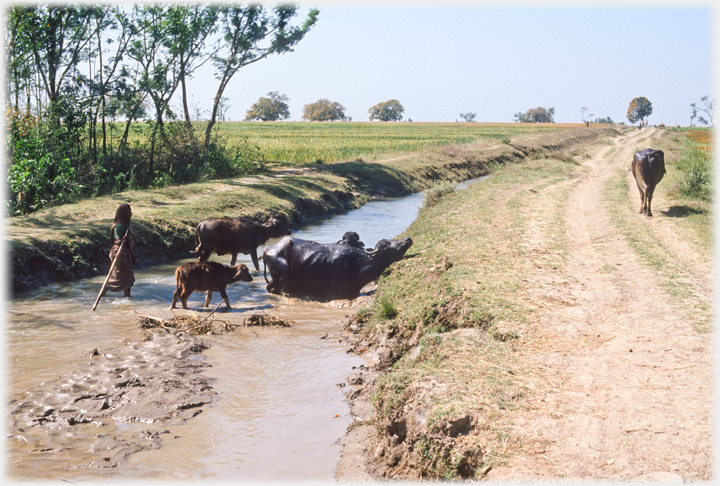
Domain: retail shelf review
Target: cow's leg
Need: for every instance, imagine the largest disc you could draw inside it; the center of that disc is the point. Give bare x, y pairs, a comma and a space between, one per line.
184, 298
224, 296
233, 259
208, 296
176, 296
253, 255
204, 254
642, 196
648, 198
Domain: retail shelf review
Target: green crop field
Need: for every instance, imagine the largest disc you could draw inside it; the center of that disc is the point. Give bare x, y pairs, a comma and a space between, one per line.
307, 142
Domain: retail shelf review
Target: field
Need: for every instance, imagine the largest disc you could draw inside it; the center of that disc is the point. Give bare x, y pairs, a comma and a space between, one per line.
300, 143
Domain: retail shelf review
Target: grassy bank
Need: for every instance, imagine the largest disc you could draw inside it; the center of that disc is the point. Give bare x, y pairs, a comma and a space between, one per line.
452, 321
71, 241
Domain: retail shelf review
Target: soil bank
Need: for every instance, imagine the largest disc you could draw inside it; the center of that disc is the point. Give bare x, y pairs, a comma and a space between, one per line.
71, 241
539, 329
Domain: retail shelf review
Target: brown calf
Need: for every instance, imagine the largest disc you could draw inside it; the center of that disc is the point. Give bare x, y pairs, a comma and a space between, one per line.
208, 276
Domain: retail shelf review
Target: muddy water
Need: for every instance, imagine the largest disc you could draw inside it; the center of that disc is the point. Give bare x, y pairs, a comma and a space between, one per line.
279, 408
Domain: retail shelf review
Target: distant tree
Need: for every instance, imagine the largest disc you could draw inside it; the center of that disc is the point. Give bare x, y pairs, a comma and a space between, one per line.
468, 117
708, 107
607, 120
536, 115
584, 114
639, 109
324, 110
390, 110
223, 108
274, 108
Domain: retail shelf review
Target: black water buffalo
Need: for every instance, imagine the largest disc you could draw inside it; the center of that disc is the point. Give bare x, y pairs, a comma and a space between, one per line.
207, 276
327, 271
648, 168
235, 235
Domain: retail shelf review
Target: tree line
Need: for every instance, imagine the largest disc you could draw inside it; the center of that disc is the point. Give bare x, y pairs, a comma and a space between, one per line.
80, 78
275, 108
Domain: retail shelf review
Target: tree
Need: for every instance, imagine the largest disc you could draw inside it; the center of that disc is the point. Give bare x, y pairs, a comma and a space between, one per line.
584, 114
249, 34
468, 117
640, 108
274, 108
188, 28
390, 110
324, 110
607, 120
708, 107
536, 115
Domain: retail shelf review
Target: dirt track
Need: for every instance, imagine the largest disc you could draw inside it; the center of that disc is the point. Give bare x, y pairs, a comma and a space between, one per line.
623, 375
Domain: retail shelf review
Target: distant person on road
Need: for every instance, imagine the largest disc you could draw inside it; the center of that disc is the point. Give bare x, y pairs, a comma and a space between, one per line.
122, 276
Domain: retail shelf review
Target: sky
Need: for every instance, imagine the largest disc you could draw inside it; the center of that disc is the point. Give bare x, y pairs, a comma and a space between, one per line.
440, 61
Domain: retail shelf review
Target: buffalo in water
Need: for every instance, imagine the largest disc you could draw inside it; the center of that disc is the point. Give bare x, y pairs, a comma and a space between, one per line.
326, 272
648, 168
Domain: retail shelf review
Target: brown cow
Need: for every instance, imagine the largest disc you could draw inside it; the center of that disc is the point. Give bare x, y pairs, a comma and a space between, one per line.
207, 276
648, 168
235, 235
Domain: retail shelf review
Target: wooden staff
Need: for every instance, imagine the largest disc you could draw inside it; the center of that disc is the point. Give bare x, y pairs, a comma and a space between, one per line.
112, 267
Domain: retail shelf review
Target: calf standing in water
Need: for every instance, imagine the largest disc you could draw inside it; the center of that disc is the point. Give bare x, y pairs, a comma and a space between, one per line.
208, 276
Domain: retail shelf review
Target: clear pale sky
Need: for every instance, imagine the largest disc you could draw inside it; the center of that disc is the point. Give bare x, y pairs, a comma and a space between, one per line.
440, 61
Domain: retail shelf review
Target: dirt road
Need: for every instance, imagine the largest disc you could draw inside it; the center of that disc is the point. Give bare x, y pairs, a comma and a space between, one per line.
622, 350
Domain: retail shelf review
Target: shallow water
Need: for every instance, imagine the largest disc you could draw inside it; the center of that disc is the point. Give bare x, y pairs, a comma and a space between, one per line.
279, 411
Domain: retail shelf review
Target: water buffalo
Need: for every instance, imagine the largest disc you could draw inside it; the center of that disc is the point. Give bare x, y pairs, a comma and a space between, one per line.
207, 276
648, 168
327, 271
352, 239
235, 235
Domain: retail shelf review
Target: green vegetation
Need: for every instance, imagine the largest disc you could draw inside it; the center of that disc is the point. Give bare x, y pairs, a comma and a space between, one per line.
297, 143
64, 138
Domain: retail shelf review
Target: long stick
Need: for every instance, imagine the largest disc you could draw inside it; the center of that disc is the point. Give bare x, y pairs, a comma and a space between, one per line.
112, 267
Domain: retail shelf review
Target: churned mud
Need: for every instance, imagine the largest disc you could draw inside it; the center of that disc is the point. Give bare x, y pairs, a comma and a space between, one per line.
95, 417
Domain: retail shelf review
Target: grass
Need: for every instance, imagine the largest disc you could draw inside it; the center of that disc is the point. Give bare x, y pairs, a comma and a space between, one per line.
464, 309
302, 143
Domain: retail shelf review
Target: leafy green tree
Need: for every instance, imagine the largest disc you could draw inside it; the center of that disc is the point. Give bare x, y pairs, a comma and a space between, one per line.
707, 107
536, 115
188, 27
390, 110
468, 117
324, 110
55, 37
274, 108
640, 108
251, 33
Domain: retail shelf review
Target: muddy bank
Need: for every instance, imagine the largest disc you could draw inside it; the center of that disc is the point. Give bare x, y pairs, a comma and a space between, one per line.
71, 241
117, 405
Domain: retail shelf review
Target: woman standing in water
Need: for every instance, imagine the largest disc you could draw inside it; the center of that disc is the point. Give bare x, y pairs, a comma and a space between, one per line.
122, 276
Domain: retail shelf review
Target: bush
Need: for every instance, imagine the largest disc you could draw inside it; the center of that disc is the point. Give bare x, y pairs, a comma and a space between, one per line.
695, 163
435, 193
38, 177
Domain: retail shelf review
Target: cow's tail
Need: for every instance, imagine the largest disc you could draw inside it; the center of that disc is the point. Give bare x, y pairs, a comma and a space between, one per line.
264, 268
198, 249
